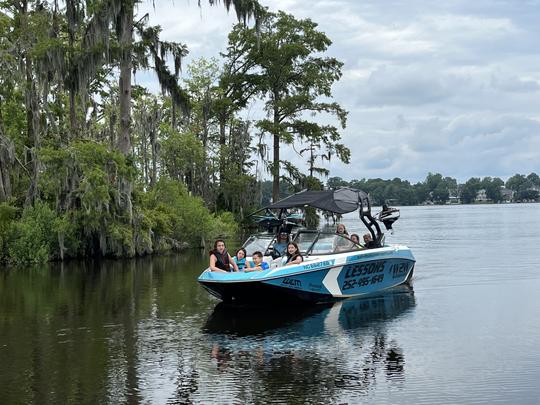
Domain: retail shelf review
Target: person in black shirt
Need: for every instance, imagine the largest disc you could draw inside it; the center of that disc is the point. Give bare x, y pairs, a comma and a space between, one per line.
220, 259
293, 254
369, 243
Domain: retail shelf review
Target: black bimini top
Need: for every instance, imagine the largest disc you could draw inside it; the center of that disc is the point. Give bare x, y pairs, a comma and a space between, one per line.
338, 201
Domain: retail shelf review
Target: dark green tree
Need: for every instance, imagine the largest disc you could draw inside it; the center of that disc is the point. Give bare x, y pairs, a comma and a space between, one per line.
336, 182
517, 182
534, 179
526, 195
469, 190
440, 194
492, 187
293, 78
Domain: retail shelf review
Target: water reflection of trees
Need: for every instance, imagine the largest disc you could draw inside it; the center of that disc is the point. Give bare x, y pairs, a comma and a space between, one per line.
331, 353
131, 332
72, 333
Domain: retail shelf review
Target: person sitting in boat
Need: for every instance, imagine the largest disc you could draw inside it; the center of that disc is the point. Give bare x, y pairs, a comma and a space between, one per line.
341, 230
220, 260
355, 238
280, 246
240, 259
369, 243
293, 255
258, 263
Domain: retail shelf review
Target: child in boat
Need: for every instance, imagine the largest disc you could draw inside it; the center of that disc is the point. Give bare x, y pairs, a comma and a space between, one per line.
355, 238
341, 230
258, 263
293, 255
240, 259
220, 259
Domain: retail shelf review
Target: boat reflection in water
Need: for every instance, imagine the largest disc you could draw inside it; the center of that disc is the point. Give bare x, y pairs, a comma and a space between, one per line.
310, 321
335, 351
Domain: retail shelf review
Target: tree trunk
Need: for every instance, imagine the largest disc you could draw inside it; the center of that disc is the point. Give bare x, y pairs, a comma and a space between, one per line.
222, 143
173, 115
144, 150
6, 160
124, 138
275, 170
275, 164
72, 117
153, 145
126, 41
311, 159
32, 124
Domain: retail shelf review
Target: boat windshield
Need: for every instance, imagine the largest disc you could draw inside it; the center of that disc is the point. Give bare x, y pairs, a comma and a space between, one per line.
325, 243
258, 243
304, 240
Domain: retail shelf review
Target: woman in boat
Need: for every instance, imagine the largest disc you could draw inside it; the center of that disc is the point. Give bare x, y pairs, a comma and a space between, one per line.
355, 238
293, 255
341, 230
220, 260
240, 260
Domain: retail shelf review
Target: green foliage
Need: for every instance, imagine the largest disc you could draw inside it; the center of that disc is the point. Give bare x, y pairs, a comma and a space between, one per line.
534, 179
175, 215
518, 182
8, 215
336, 182
88, 171
97, 181
239, 192
440, 193
83, 181
312, 217
286, 67
438, 189
33, 237
395, 191
526, 195
525, 187
470, 189
493, 188
182, 152
266, 192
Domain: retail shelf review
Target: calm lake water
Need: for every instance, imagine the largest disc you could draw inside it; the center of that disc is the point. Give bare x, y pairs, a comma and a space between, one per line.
144, 332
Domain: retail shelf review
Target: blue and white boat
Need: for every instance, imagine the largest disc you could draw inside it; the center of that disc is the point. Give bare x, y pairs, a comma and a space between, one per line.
334, 267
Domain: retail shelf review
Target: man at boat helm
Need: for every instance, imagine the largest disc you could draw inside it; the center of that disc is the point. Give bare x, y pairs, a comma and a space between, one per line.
281, 243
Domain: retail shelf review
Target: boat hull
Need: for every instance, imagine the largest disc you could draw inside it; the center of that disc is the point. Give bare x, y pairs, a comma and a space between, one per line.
317, 280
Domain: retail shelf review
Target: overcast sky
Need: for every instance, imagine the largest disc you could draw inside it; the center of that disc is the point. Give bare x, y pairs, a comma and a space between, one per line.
450, 87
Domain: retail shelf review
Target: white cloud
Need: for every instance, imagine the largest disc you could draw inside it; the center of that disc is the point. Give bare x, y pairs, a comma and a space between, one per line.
514, 84
402, 86
452, 87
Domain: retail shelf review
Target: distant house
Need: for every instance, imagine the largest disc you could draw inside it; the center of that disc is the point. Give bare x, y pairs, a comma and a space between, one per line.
481, 196
507, 194
453, 197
